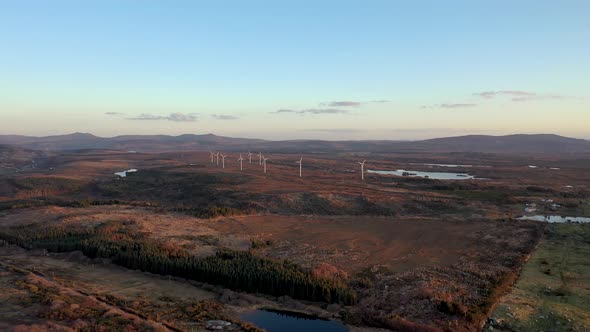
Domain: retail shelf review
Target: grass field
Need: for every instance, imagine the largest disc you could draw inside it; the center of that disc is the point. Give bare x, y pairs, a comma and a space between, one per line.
553, 292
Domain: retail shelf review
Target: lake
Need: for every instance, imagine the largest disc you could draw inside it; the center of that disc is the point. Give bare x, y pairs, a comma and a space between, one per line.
430, 175
555, 219
124, 173
448, 165
288, 321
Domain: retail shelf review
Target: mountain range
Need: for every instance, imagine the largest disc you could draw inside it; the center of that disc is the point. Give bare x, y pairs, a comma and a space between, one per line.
510, 144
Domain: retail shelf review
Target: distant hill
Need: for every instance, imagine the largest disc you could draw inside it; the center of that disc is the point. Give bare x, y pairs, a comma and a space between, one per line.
542, 143
511, 144
147, 143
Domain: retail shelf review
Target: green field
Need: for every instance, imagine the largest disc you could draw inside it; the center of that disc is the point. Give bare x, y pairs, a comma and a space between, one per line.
553, 291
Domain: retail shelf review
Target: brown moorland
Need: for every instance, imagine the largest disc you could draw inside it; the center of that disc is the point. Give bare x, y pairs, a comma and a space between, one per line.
419, 253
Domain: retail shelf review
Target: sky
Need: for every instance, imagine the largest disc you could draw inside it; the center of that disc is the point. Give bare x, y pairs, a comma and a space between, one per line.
295, 69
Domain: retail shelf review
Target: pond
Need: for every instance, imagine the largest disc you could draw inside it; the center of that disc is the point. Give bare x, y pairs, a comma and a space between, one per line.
555, 219
430, 175
124, 173
288, 321
448, 165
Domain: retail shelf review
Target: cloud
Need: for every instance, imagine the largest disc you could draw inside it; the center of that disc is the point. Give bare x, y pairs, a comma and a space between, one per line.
313, 111
350, 103
114, 113
517, 95
325, 111
145, 116
176, 117
345, 104
457, 105
224, 117
181, 117
514, 93
538, 97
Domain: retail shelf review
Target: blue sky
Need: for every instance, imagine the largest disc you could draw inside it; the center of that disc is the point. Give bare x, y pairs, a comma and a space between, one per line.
295, 69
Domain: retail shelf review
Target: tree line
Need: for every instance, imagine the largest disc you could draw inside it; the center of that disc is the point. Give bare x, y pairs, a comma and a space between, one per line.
238, 270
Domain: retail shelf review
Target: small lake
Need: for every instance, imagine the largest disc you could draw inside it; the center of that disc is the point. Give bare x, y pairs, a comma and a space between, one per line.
430, 175
555, 219
448, 165
124, 173
288, 321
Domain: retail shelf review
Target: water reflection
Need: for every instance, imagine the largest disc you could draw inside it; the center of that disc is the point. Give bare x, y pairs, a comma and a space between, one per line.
124, 173
287, 321
430, 175
555, 219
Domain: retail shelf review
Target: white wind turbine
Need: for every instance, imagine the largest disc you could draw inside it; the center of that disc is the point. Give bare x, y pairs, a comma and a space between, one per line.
217, 154
264, 163
362, 169
259, 158
249, 157
241, 160
300, 162
212, 154
223, 161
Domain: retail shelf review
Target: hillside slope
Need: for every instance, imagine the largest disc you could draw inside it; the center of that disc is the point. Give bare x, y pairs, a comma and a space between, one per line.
511, 144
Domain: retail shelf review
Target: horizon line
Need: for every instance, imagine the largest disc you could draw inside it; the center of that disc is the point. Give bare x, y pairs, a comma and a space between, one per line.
297, 139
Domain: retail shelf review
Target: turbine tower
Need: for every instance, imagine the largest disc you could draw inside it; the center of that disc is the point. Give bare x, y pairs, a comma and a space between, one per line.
249, 157
362, 169
300, 162
212, 154
264, 163
217, 154
259, 158
223, 161
241, 160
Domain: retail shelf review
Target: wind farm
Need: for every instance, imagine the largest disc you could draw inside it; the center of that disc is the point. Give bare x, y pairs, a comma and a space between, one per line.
407, 215
422, 167
241, 160
362, 169
223, 160
264, 159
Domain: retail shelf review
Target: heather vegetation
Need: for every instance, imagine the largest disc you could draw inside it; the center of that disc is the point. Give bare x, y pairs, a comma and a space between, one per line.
233, 269
437, 253
198, 194
193, 193
55, 305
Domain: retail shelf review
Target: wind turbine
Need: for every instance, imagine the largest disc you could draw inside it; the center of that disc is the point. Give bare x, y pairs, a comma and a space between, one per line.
300, 162
217, 154
259, 158
264, 163
240, 160
223, 161
362, 169
249, 157
212, 154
